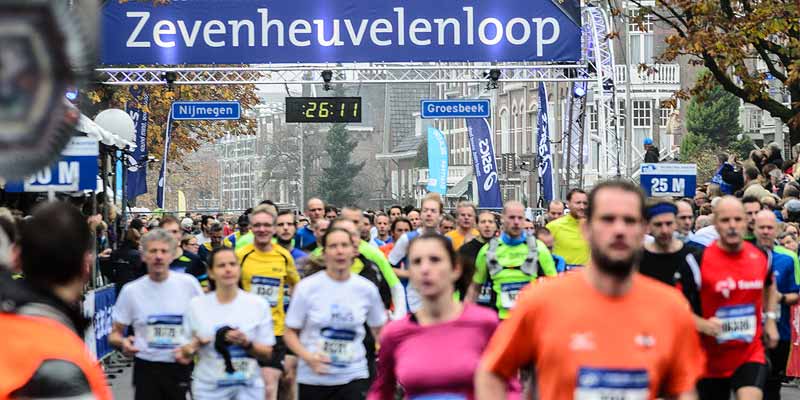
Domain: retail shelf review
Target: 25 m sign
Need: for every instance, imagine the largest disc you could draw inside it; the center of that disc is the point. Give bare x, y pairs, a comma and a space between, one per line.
668, 180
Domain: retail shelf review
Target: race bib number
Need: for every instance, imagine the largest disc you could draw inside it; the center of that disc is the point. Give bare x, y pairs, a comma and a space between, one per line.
738, 323
338, 344
268, 288
440, 396
485, 297
509, 292
608, 384
245, 369
164, 331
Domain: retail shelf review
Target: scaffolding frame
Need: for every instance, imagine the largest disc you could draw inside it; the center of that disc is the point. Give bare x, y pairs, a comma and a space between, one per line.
594, 74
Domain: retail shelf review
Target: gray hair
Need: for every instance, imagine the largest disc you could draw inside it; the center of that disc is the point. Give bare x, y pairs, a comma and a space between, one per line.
158, 235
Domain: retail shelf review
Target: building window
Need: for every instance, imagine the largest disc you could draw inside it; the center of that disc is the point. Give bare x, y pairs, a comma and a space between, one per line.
642, 117
663, 117
505, 143
754, 120
640, 36
646, 25
592, 117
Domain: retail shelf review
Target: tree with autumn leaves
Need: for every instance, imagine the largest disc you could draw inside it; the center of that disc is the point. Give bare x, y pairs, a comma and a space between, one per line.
750, 48
186, 136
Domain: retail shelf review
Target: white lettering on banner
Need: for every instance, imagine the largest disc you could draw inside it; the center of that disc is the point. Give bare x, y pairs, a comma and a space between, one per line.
491, 31
69, 172
486, 158
143, 17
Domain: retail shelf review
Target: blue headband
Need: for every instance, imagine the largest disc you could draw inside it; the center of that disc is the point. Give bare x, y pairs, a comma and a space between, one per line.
661, 208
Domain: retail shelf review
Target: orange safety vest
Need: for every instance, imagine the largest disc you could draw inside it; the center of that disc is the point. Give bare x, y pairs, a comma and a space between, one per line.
28, 341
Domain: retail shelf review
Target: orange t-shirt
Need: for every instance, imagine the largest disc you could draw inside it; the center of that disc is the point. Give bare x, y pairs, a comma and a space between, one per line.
457, 239
584, 343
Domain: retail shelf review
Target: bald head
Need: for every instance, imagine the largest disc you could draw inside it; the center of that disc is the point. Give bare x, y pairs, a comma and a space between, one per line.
513, 218
731, 222
315, 209
766, 229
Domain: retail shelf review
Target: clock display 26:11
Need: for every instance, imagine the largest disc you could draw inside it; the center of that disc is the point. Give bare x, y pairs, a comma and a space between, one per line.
325, 109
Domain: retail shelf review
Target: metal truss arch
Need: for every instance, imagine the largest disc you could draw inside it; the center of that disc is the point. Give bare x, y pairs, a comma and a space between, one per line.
349, 74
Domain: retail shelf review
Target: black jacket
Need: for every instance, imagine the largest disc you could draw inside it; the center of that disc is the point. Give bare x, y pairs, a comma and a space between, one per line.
124, 265
652, 155
732, 177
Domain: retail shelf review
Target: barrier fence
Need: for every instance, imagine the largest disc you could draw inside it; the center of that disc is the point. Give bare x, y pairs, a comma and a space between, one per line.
98, 305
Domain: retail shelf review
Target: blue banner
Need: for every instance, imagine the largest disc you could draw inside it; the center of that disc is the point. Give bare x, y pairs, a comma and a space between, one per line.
76, 170
480, 142
136, 183
104, 300
317, 31
543, 144
162, 175
437, 161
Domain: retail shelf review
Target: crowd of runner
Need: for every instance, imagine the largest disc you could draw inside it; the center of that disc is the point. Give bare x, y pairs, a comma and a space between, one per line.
607, 295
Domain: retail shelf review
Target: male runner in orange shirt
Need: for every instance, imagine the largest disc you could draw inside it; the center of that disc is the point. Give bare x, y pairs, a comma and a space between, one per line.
605, 332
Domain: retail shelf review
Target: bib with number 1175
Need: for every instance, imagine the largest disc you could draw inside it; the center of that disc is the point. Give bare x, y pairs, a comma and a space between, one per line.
164, 331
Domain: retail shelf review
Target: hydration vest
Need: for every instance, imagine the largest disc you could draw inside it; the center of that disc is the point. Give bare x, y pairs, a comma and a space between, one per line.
528, 267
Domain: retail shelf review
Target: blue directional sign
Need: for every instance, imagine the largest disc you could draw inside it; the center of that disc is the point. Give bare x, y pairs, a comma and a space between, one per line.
76, 170
668, 180
467, 108
197, 110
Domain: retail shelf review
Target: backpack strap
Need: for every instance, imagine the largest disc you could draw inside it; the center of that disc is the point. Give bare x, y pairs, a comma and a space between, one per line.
492, 265
529, 266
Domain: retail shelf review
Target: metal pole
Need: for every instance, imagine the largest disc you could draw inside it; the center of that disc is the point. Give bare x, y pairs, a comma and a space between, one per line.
302, 168
628, 104
123, 224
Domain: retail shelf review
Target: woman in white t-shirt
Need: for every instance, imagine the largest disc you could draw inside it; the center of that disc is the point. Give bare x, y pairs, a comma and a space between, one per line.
325, 324
249, 335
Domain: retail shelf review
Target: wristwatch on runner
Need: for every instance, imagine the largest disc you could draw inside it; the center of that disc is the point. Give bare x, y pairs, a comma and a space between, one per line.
771, 315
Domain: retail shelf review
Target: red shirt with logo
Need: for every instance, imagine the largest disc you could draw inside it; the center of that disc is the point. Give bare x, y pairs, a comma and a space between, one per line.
732, 289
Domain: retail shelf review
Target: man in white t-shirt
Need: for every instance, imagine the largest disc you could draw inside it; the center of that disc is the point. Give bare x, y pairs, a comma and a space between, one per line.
432, 208
155, 305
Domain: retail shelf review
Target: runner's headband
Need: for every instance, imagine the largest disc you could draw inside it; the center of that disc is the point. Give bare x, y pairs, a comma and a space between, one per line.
661, 208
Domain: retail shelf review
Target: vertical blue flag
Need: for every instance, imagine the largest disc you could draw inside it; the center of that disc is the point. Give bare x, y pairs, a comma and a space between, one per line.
162, 176
543, 141
437, 161
480, 142
137, 169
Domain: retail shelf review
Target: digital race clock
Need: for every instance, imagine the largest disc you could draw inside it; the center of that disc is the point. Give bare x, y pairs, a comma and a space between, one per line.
323, 109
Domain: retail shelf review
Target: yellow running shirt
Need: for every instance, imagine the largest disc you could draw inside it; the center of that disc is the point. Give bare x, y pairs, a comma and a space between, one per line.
264, 274
569, 241
458, 239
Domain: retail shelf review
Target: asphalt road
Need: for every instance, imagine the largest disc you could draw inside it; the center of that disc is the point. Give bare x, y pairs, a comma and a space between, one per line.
122, 389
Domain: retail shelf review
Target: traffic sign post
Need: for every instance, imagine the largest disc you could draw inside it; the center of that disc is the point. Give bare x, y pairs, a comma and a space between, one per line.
76, 170
206, 110
668, 180
463, 108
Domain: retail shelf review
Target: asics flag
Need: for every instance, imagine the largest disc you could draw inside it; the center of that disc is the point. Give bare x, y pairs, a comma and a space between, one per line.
543, 144
480, 141
437, 161
137, 160
162, 176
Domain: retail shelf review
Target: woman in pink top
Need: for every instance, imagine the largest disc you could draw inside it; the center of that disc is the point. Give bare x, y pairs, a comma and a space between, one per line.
434, 353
